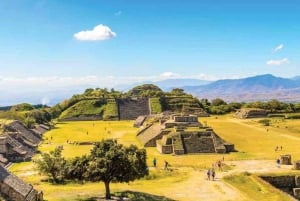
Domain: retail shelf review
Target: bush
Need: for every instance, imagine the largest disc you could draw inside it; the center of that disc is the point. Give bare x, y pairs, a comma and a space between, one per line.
293, 116
276, 115
265, 122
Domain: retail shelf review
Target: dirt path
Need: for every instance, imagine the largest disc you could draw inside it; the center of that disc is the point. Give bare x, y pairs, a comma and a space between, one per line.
197, 187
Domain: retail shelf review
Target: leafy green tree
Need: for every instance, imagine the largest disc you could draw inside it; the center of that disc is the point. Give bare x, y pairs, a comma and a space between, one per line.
53, 164
218, 102
177, 91
110, 161
77, 168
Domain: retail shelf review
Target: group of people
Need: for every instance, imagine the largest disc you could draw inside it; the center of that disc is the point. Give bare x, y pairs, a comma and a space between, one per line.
277, 148
211, 172
166, 166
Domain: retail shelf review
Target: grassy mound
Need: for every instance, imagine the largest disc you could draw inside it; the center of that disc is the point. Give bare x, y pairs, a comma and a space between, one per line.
84, 108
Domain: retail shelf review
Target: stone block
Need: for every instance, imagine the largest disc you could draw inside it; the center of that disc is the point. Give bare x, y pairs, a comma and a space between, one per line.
297, 165
296, 192
297, 181
286, 159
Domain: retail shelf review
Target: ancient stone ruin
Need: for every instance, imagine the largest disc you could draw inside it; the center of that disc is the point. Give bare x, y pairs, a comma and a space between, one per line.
13, 188
246, 113
286, 159
182, 134
199, 112
288, 184
131, 108
139, 121
19, 143
297, 165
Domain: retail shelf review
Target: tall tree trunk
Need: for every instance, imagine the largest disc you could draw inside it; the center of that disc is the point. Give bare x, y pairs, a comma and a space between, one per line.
107, 190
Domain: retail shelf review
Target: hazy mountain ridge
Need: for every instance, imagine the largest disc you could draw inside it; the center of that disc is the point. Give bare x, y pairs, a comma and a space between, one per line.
261, 87
167, 84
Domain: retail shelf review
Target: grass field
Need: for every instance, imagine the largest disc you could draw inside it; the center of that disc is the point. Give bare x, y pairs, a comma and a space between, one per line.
186, 181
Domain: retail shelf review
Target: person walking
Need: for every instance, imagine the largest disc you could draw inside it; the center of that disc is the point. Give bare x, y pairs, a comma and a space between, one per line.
278, 163
166, 165
219, 163
213, 174
154, 162
208, 174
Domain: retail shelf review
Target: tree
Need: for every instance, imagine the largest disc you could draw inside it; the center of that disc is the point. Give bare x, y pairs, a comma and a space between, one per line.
52, 164
265, 122
110, 161
177, 91
77, 168
218, 102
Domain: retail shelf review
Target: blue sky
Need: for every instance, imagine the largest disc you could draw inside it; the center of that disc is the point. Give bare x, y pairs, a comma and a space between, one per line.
145, 40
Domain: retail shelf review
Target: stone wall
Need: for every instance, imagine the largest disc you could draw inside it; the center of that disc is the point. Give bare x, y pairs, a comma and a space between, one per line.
130, 109
83, 118
288, 184
251, 113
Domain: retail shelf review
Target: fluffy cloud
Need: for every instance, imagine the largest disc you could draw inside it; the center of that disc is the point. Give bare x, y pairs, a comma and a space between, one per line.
278, 62
169, 75
278, 48
99, 32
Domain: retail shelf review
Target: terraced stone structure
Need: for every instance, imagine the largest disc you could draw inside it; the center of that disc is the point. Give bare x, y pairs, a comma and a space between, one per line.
14, 189
246, 113
187, 141
182, 134
19, 143
199, 112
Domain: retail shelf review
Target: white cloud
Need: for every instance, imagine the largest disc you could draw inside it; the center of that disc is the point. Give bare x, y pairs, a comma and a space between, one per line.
53, 82
278, 48
99, 32
167, 75
278, 62
118, 13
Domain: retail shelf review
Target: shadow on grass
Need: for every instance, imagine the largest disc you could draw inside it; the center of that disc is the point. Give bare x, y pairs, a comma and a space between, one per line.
131, 196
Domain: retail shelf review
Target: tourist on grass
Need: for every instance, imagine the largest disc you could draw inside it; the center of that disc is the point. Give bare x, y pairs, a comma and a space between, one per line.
213, 174
219, 163
166, 165
208, 174
154, 162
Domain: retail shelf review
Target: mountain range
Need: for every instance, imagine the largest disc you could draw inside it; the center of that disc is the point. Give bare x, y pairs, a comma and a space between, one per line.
260, 87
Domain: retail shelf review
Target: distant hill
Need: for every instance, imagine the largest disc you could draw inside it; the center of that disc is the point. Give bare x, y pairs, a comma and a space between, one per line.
96, 104
167, 84
261, 87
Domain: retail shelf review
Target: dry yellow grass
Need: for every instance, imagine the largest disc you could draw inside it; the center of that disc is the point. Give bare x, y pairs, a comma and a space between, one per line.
251, 139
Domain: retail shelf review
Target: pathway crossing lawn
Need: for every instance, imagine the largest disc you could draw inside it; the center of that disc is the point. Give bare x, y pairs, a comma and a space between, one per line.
257, 141
251, 139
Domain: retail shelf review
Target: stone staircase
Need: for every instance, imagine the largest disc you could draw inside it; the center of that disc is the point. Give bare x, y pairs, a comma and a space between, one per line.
130, 109
194, 144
